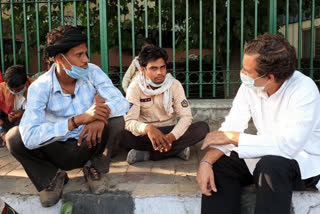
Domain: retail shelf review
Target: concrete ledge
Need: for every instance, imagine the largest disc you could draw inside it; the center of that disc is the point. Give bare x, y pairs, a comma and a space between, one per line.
210, 110
29, 204
125, 202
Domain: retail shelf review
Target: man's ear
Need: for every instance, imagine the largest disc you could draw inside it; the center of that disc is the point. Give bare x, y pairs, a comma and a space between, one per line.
143, 70
59, 59
271, 77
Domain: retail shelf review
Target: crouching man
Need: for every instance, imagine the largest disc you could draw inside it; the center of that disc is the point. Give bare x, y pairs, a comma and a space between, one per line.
158, 100
284, 155
63, 127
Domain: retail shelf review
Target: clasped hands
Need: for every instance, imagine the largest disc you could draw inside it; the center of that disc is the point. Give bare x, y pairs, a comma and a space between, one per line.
14, 116
94, 119
160, 142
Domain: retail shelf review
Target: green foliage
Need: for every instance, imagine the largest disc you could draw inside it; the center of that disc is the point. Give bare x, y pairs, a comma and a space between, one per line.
66, 208
139, 22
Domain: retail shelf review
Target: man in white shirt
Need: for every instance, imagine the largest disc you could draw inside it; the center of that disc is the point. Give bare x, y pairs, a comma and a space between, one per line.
285, 153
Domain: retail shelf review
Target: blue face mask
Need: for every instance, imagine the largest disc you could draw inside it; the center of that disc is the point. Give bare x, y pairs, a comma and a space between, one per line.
76, 72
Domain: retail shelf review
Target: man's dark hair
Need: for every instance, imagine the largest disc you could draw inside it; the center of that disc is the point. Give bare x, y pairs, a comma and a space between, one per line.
63, 38
152, 53
58, 33
275, 56
15, 76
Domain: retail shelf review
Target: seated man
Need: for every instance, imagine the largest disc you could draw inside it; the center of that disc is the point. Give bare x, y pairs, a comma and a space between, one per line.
63, 127
285, 154
13, 97
157, 101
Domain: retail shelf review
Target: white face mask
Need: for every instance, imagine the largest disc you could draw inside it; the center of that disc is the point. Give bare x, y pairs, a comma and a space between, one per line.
249, 82
19, 92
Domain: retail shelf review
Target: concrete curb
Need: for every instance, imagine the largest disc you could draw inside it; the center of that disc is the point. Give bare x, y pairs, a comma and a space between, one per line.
123, 202
29, 204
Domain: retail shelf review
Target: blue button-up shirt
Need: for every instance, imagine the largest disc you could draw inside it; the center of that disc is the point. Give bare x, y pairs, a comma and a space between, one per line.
48, 109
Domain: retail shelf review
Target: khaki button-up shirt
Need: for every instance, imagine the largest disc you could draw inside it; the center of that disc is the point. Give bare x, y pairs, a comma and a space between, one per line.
149, 110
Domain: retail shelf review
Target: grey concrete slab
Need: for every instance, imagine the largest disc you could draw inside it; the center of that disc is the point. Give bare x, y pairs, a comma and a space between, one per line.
109, 202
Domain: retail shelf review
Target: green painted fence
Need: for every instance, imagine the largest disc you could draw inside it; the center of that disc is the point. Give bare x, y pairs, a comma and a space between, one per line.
222, 27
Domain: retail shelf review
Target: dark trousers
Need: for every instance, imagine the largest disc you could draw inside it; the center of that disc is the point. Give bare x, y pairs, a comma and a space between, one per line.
274, 177
42, 164
195, 133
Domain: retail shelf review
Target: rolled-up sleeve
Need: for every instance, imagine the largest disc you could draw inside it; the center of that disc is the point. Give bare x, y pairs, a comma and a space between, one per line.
237, 119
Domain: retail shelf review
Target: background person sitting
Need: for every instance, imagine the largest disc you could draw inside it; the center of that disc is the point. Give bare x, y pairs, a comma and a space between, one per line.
133, 71
13, 96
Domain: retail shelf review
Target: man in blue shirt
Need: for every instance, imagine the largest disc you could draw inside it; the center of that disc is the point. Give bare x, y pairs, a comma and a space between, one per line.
73, 117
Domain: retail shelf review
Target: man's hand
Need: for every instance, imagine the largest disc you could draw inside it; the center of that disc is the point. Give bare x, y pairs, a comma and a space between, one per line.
98, 99
157, 138
170, 138
14, 116
98, 111
93, 132
220, 138
205, 179
205, 176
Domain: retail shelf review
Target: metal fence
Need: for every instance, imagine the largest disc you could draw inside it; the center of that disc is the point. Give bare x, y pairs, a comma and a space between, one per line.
218, 27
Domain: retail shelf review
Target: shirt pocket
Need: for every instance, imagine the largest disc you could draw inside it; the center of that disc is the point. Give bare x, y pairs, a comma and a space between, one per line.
147, 109
146, 103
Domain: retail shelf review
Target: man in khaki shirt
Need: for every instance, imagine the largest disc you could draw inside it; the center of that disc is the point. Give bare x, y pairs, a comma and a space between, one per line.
153, 130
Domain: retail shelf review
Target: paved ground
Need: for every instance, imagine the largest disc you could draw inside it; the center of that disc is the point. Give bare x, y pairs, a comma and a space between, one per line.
138, 178
170, 184
172, 176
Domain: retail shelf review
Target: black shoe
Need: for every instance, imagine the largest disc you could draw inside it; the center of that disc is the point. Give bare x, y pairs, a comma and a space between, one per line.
97, 181
51, 195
